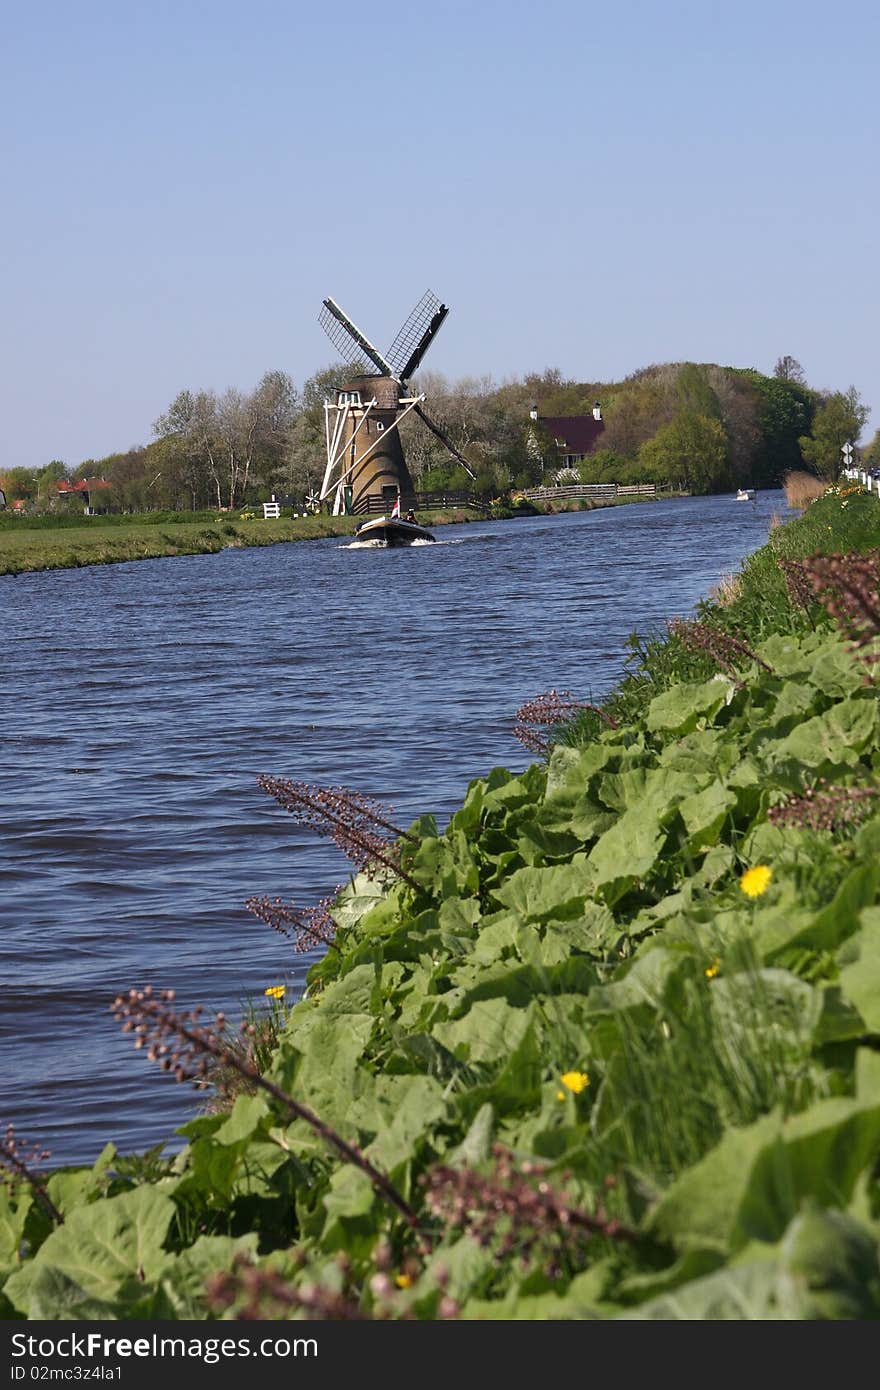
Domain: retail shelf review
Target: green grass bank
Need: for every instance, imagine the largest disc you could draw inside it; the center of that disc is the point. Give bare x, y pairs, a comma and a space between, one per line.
29, 544
606, 1047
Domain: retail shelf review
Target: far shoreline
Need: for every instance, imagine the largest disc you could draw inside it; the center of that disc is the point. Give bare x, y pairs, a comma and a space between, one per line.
34, 549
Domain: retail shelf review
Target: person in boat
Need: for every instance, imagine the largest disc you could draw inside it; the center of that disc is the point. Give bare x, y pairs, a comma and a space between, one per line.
411, 516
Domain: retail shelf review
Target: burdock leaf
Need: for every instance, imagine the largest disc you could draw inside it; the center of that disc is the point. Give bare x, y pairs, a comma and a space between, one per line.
542, 892
476, 1145
860, 978
752, 1184
704, 814
836, 737
183, 1285
491, 1029
683, 708
626, 852
102, 1247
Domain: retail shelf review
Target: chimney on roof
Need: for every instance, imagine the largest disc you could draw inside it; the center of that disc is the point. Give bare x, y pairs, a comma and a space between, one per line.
597, 410
533, 413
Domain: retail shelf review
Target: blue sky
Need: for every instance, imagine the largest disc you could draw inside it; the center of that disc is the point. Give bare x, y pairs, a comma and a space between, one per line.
591, 187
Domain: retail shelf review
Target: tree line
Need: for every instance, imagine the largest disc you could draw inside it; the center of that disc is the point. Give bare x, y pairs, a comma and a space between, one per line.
698, 427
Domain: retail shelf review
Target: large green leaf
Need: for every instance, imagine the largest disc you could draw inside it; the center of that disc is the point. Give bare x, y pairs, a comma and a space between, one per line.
704, 814
13, 1217
860, 975
744, 1293
645, 982
182, 1286
323, 1074
356, 900
831, 1262
626, 852
445, 864
489, 1031
410, 1107
245, 1117
688, 706
51, 1294
752, 1184
824, 930
476, 1146
541, 892
570, 769
825, 1267
109, 1250
836, 738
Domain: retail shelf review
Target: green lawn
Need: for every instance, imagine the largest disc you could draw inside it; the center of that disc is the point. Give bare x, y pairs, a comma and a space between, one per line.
24, 548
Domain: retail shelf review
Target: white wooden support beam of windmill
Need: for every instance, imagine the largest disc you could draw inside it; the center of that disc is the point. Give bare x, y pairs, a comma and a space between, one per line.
335, 457
410, 403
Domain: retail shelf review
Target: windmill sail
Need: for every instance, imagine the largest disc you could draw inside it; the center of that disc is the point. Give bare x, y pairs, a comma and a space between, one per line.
435, 429
348, 340
366, 467
416, 335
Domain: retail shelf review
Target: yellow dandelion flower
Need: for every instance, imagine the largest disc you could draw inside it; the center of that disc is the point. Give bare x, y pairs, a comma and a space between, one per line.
711, 970
576, 1081
403, 1281
756, 881
275, 991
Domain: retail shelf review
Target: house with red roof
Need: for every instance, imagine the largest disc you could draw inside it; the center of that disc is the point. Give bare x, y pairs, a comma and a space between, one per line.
575, 436
89, 490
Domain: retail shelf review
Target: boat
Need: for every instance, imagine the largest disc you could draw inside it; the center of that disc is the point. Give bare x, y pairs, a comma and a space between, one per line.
392, 530
746, 494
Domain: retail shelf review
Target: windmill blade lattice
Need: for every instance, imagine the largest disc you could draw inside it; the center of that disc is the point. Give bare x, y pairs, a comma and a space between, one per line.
348, 340
365, 460
415, 335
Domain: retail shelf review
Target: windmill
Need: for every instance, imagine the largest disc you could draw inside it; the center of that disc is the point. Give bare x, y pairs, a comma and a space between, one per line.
366, 469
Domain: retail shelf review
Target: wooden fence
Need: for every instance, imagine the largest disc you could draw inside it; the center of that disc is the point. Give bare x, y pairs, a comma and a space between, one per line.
427, 501
436, 501
544, 494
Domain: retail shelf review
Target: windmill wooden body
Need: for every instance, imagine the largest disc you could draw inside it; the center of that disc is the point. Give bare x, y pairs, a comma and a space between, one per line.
366, 470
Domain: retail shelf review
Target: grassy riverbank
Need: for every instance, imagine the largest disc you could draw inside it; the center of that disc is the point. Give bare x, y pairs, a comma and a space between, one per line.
43, 543
608, 1046
26, 547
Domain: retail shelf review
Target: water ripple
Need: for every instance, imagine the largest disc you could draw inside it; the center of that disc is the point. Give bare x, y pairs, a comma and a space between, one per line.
132, 829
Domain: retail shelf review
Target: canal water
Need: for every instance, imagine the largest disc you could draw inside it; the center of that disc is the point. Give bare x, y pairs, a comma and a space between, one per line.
141, 701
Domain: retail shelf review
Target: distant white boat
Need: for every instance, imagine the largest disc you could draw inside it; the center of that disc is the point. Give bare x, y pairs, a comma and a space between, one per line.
746, 494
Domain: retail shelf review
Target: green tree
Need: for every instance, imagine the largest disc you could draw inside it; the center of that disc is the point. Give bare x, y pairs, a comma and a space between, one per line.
19, 483
789, 369
695, 393
871, 454
603, 466
785, 412
839, 419
188, 431
46, 479
635, 411
690, 452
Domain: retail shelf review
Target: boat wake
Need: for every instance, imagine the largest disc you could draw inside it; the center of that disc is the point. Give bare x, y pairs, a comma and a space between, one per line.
410, 545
